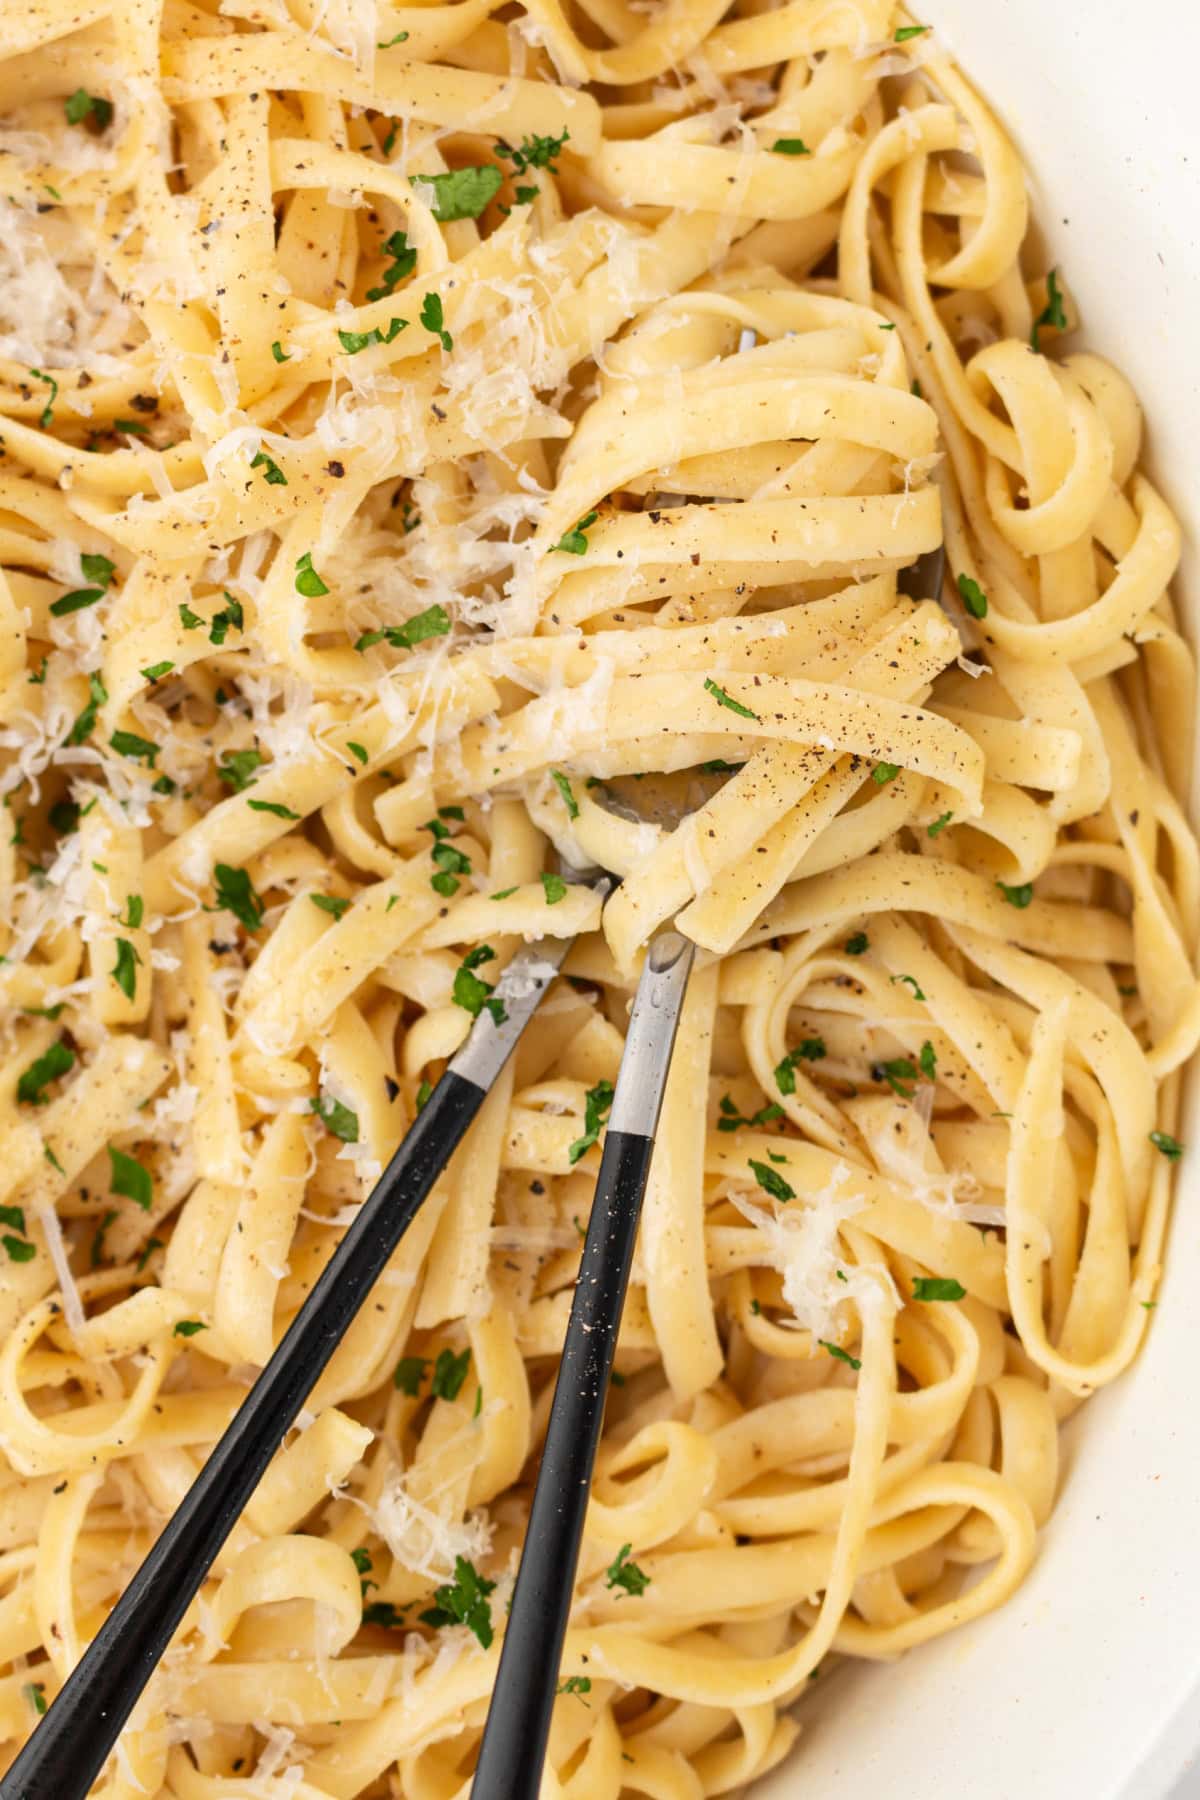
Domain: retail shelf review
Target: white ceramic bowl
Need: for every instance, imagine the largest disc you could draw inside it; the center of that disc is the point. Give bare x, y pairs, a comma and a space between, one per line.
1087, 1686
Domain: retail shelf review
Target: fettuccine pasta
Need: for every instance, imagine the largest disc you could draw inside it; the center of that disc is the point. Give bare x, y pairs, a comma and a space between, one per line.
446, 446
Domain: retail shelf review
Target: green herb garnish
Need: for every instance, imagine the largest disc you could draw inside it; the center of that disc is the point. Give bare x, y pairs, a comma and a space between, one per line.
574, 542
460, 194
621, 1573
55, 1061
596, 1105
128, 1178
973, 597
433, 319
449, 1373
1018, 896
235, 894
1054, 313
937, 1287
474, 994
337, 1119
771, 1181
409, 1374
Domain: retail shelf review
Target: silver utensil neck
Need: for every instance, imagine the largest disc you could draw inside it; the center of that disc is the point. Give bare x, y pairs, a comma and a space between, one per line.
651, 1035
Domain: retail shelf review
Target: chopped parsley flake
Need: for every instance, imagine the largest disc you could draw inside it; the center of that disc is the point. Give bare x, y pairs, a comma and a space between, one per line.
574, 541
85, 723
433, 622
884, 772
330, 903
564, 787
904, 32
47, 412
451, 864
354, 341
1018, 896
110, 1218
790, 147
409, 1374
124, 970
771, 1181
337, 1119
460, 194
156, 671
433, 319
731, 1119
723, 699
272, 806
449, 1373
1054, 313
236, 769
464, 1602
81, 105
554, 888
235, 894
382, 1612
138, 749
230, 617
811, 1050
621, 1573
596, 1105
186, 1328
910, 981
474, 994
152, 1244
939, 825
1170, 1147
534, 153
32, 1085
857, 945
896, 1072
404, 259
308, 582
129, 1179
273, 475
973, 597
841, 1355
76, 601
937, 1287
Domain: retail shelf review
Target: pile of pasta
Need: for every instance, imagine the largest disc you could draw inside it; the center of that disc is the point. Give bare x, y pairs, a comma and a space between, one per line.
442, 445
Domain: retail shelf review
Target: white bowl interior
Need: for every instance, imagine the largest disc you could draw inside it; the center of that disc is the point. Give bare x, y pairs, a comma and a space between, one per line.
1088, 1683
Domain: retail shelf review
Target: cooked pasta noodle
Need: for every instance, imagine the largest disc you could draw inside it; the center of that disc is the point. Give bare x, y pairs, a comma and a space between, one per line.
445, 442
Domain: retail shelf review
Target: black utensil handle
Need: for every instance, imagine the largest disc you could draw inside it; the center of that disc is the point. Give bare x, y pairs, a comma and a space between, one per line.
518, 1722
67, 1750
